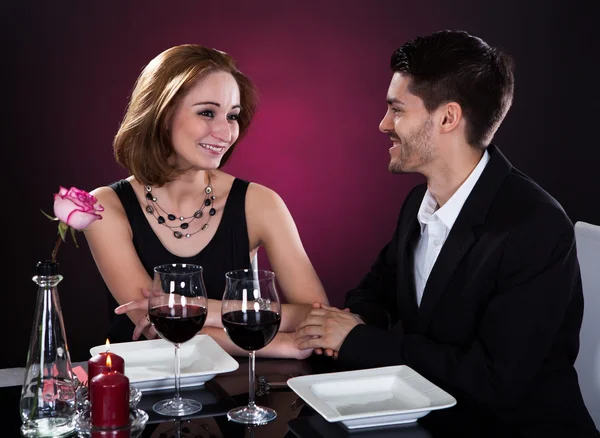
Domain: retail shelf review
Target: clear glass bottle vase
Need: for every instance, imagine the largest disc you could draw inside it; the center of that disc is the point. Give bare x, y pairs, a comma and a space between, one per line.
48, 394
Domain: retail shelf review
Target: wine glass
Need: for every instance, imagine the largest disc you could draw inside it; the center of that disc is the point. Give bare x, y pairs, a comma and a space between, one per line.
251, 314
177, 309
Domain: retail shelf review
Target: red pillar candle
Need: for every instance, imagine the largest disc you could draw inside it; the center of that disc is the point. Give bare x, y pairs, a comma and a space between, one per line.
109, 398
98, 364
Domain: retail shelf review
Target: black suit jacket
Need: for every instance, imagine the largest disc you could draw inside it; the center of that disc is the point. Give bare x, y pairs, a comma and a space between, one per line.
498, 325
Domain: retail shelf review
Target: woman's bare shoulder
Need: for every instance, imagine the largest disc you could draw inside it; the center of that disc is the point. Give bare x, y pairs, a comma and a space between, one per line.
262, 196
109, 199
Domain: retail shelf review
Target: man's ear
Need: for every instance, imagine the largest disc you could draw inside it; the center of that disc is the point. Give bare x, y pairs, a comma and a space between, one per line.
450, 117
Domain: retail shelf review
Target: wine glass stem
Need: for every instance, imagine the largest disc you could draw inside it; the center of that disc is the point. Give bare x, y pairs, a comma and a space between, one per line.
251, 381
177, 370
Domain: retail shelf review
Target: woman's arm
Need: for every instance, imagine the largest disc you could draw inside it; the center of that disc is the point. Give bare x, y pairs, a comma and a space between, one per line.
271, 225
292, 315
115, 256
282, 346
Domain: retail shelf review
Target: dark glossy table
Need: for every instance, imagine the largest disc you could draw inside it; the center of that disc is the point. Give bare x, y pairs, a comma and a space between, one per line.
225, 391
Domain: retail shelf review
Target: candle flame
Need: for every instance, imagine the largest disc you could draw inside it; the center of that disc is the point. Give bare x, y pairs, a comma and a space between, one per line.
108, 359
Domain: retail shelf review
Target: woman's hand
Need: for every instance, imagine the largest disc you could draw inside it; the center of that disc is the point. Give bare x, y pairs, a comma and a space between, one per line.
283, 345
286, 346
142, 325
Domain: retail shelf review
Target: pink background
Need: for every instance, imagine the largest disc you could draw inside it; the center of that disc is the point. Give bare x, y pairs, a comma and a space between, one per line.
322, 71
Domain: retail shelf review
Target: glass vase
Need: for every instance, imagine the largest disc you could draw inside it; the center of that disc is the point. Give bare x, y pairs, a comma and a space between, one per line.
48, 394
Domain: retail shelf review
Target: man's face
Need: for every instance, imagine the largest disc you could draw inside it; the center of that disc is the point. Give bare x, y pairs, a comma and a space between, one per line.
409, 126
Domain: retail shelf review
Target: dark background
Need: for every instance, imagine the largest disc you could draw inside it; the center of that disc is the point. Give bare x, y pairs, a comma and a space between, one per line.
322, 71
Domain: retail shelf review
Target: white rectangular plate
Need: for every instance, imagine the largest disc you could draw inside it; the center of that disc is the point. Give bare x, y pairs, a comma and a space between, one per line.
150, 365
372, 397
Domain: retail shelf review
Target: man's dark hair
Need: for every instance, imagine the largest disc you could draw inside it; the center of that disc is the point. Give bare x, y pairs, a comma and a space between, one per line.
454, 66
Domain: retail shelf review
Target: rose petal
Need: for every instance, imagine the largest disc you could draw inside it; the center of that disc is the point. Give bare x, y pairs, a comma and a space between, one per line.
63, 207
81, 220
74, 195
76, 207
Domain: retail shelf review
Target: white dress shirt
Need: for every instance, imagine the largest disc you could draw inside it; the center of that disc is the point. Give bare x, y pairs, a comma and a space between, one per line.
436, 224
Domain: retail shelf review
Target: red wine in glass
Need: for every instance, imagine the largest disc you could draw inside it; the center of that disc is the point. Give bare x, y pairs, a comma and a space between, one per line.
251, 315
251, 330
178, 323
177, 309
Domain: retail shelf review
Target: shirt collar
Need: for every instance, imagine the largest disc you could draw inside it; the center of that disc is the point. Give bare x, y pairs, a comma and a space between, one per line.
449, 212
427, 210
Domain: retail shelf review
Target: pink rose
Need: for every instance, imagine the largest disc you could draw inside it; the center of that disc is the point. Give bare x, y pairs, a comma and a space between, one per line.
76, 207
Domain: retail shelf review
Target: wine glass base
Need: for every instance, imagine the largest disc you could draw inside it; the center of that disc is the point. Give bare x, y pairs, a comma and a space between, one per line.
256, 415
177, 407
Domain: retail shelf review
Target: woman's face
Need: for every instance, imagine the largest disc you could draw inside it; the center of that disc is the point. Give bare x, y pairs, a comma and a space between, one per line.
205, 122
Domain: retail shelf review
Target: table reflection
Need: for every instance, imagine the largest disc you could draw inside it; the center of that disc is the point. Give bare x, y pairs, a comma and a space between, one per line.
294, 418
314, 425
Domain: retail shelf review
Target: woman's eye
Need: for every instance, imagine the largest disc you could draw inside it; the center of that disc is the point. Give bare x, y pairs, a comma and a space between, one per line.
233, 117
207, 113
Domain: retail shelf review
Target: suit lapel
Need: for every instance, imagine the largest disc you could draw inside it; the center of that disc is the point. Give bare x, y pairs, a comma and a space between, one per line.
458, 243
462, 236
407, 302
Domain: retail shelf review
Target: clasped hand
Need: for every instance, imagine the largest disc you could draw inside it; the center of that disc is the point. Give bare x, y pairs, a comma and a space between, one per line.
325, 329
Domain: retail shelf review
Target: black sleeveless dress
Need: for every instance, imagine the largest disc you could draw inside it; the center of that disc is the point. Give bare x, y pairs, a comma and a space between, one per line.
228, 250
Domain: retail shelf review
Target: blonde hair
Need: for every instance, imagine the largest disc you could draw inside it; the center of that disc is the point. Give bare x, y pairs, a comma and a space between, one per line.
142, 144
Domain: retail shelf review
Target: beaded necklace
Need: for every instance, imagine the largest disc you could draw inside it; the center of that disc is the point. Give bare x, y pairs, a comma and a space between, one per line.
153, 208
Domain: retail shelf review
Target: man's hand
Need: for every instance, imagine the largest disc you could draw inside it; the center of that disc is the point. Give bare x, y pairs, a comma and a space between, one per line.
326, 328
328, 351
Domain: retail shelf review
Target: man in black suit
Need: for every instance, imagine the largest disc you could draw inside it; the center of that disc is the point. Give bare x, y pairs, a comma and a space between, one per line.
479, 289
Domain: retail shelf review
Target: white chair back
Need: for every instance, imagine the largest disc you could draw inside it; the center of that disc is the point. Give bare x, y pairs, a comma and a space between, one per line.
587, 237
